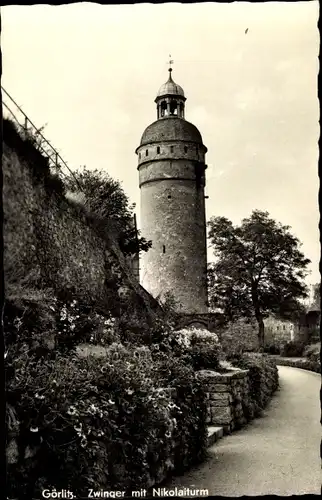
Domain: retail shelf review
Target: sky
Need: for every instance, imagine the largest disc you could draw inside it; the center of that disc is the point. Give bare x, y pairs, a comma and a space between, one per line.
91, 72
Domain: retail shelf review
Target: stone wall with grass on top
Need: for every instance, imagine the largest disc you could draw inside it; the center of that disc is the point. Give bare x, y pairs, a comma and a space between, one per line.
225, 393
238, 395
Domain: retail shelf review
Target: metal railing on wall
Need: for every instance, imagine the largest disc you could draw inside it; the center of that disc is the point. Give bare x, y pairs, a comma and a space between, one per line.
29, 130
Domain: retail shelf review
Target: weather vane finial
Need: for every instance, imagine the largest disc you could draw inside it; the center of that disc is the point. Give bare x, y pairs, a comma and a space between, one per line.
170, 63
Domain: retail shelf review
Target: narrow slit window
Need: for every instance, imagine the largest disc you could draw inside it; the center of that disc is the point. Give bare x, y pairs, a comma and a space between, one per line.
139, 156
171, 149
169, 196
147, 152
185, 149
158, 150
163, 249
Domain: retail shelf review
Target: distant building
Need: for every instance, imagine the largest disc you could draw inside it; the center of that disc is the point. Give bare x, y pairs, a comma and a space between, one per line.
307, 329
278, 331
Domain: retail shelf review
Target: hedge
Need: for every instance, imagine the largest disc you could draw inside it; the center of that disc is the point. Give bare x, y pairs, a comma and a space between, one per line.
304, 363
263, 382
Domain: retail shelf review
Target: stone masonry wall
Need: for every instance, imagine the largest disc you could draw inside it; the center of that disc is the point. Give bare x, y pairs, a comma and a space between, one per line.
47, 240
231, 398
177, 260
173, 150
225, 393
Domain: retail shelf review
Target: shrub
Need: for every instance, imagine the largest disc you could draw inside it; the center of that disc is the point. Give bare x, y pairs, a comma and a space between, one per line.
170, 306
238, 337
315, 356
263, 381
201, 348
43, 321
272, 349
122, 422
305, 364
312, 351
293, 349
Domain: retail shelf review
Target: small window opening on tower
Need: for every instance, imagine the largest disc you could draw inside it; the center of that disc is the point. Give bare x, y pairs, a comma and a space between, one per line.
173, 108
158, 150
146, 152
169, 196
185, 149
139, 156
163, 108
163, 249
171, 149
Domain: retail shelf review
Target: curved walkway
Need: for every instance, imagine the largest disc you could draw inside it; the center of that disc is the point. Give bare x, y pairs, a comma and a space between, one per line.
278, 453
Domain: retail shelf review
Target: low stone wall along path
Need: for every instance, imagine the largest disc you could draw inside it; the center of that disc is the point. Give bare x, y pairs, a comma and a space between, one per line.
278, 453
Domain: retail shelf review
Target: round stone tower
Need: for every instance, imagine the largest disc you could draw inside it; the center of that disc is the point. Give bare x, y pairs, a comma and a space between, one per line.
171, 165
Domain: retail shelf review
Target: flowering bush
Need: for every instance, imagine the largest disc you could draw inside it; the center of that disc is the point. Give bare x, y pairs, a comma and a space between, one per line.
44, 322
191, 433
123, 421
200, 347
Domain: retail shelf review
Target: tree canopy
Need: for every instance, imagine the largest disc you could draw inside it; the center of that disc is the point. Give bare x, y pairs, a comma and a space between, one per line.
105, 198
316, 303
259, 269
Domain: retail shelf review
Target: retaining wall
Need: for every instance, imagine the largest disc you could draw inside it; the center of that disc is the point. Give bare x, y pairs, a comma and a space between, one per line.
232, 399
49, 243
225, 393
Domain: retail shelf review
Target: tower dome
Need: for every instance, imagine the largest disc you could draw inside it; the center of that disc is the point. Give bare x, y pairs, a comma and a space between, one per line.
170, 88
174, 130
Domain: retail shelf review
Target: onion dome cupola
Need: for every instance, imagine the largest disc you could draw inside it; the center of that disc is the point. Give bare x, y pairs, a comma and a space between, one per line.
170, 99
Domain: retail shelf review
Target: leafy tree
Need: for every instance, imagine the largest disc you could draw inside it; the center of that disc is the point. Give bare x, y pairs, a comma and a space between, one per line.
104, 197
259, 269
316, 303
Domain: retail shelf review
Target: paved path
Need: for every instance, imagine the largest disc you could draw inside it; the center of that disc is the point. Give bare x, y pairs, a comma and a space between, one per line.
277, 454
